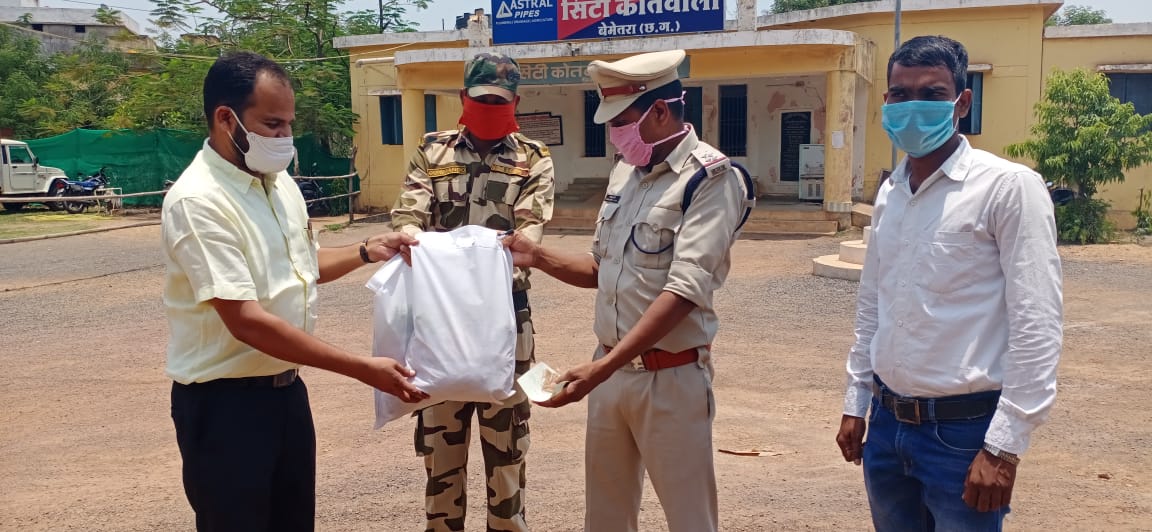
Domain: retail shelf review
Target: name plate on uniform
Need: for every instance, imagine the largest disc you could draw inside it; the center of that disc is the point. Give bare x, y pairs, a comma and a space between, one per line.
544, 127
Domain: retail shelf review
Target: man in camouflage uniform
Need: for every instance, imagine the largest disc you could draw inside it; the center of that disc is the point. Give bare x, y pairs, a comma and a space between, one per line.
483, 174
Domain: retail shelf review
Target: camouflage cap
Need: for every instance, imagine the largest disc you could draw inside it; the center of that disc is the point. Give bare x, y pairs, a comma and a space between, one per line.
489, 73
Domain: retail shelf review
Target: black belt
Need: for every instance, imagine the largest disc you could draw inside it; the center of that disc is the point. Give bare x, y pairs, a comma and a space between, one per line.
917, 410
278, 380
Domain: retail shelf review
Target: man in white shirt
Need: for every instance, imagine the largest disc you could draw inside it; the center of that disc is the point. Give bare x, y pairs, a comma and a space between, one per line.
958, 324
240, 292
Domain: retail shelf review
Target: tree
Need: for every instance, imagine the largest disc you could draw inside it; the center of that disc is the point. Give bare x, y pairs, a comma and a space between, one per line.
297, 33
1084, 138
108, 16
784, 6
23, 70
83, 91
1074, 15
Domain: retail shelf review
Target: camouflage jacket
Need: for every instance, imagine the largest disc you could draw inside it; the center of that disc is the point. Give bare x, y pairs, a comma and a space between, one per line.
449, 186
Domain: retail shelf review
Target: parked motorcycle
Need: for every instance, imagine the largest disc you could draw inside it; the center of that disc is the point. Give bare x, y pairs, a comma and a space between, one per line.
90, 186
1060, 195
312, 193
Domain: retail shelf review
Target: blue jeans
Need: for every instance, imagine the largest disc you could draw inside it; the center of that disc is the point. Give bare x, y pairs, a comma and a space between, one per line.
914, 474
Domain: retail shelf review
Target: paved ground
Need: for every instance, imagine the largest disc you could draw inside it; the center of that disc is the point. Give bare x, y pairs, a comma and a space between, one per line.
86, 441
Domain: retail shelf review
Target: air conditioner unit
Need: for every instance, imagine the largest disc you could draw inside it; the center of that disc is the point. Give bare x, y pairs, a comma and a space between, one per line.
812, 189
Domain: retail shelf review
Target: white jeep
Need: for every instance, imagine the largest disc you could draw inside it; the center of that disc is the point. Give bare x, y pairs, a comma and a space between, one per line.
22, 176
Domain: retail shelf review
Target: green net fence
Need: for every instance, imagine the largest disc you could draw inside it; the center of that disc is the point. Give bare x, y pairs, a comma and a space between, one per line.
138, 161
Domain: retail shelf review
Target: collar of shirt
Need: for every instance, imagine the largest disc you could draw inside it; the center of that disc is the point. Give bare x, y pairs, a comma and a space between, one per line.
955, 167
509, 141
238, 179
679, 155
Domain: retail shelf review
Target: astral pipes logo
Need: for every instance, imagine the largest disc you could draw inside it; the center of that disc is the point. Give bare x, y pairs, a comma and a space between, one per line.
521, 8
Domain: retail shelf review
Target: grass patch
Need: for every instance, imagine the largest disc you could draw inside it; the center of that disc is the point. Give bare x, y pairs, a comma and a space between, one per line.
39, 223
335, 228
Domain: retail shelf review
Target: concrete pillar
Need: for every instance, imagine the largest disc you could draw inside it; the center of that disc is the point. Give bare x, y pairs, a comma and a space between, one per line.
838, 140
412, 115
746, 15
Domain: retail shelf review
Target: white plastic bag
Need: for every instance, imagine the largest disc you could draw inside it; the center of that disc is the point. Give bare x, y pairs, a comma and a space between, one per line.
450, 318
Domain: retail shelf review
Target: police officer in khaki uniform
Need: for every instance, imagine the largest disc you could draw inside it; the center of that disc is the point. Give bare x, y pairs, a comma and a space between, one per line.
655, 266
484, 174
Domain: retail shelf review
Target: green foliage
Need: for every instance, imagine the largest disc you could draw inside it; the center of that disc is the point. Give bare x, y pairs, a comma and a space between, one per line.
784, 6
107, 15
169, 97
22, 72
82, 89
96, 87
1084, 221
1074, 15
298, 33
1083, 136
1143, 214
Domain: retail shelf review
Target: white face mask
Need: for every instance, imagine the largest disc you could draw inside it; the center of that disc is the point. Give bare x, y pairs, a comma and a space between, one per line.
266, 155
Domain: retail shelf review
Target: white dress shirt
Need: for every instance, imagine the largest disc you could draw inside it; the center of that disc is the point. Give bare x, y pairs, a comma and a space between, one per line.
961, 293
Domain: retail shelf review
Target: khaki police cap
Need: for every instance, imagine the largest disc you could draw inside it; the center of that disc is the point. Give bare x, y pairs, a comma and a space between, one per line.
622, 82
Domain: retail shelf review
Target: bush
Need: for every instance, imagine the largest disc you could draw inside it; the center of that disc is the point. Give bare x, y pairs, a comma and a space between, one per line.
1084, 221
1143, 214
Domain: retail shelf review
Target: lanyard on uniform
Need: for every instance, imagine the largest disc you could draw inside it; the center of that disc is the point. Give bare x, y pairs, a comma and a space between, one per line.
632, 238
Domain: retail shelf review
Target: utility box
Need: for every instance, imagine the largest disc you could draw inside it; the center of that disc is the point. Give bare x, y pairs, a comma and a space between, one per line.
812, 172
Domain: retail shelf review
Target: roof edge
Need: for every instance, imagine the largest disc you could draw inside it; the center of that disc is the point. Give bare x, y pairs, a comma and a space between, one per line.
1087, 31
889, 6
578, 49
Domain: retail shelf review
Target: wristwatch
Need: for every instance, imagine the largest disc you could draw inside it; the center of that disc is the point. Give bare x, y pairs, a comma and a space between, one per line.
1002, 454
364, 252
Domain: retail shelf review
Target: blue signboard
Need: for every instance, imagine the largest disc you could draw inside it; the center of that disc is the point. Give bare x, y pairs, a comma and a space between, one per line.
517, 21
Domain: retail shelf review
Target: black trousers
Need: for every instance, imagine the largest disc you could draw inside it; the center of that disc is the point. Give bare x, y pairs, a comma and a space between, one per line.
249, 455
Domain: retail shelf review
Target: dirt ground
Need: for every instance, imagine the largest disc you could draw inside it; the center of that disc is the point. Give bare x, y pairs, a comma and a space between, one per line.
86, 441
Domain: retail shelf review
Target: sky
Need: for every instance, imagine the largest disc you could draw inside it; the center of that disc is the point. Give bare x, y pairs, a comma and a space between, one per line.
443, 12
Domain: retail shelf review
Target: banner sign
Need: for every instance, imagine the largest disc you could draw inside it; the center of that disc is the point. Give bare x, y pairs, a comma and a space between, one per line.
569, 73
544, 127
518, 21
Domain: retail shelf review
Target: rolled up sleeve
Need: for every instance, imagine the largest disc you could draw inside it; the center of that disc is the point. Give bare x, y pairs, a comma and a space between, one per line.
205, 245
700, 256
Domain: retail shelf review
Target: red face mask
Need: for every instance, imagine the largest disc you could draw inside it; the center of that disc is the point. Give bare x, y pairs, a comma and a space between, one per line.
489, 121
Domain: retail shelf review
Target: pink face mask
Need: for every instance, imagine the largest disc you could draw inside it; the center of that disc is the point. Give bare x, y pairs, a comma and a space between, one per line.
631, 145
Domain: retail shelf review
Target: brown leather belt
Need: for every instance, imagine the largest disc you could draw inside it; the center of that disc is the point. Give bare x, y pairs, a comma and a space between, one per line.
658, 359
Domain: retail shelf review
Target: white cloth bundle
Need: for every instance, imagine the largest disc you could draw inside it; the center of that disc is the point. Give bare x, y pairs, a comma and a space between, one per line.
449, 317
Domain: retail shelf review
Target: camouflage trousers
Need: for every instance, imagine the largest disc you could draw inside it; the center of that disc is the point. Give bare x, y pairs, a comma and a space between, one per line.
443, 434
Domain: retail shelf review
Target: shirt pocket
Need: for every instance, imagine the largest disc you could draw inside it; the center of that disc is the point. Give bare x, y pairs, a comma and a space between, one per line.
451, 207
501, 189
948, 258
603, 228
654, 237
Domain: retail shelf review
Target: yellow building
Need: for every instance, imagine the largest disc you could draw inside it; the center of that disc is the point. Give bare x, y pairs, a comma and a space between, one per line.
795, 97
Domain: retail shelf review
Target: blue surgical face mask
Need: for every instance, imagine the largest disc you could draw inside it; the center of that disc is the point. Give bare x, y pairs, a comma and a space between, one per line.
919, 127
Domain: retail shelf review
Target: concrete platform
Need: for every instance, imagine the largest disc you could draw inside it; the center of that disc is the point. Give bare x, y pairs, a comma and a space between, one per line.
853, 251
831, 266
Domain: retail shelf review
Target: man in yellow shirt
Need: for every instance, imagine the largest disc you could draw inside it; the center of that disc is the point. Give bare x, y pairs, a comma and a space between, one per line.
240, 292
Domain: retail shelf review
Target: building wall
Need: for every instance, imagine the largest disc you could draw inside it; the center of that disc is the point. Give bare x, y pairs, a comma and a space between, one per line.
768, 96
1008, 38
382, 167
1089, 53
